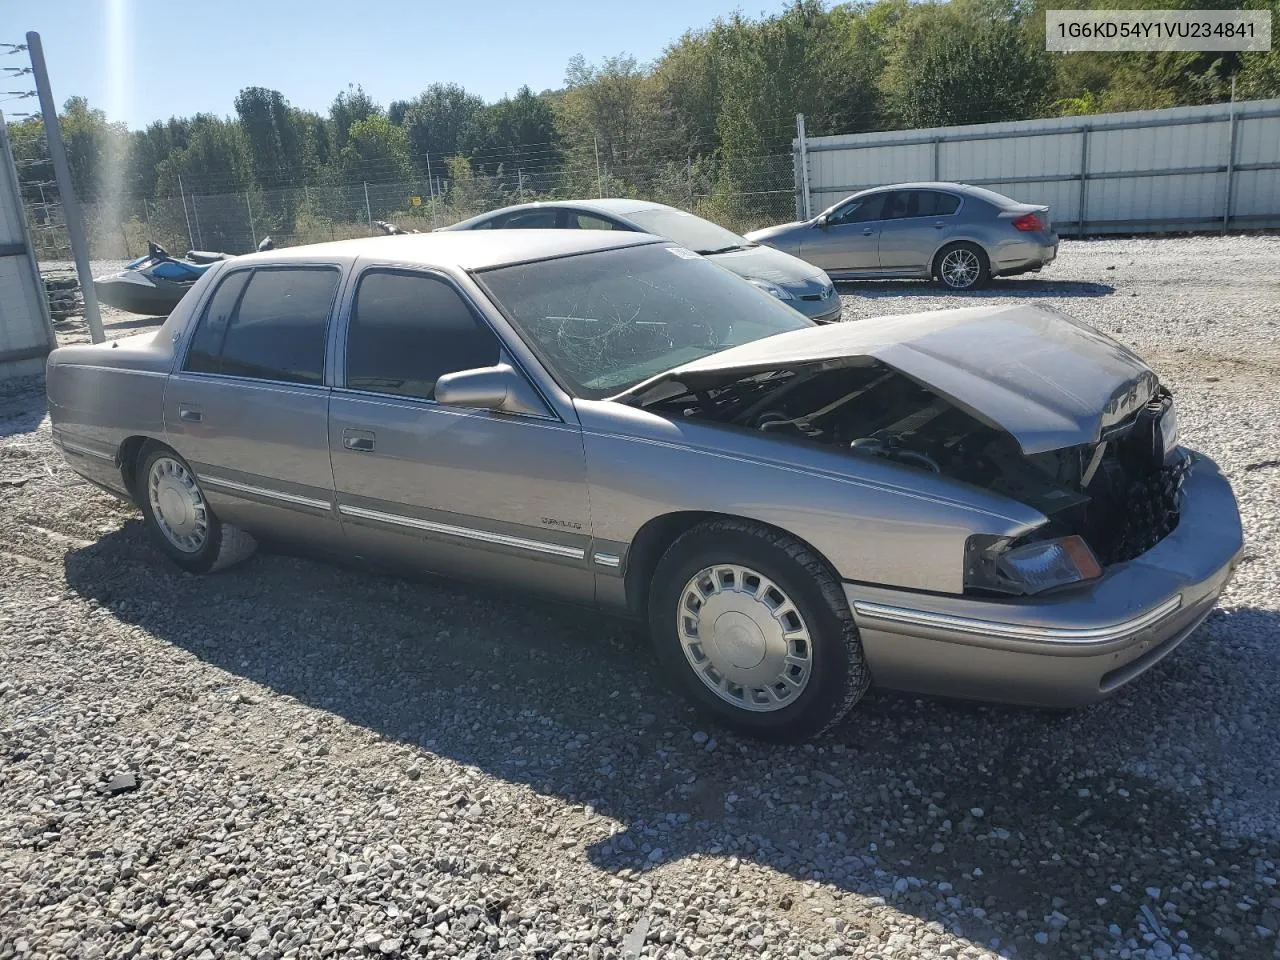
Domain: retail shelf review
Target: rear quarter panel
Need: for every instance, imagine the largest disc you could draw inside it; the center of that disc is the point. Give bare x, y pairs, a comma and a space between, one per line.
874, 522
100, 395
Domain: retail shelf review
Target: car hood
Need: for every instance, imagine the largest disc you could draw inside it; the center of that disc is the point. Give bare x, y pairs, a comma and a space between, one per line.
1046, 379
766, 263
768, 233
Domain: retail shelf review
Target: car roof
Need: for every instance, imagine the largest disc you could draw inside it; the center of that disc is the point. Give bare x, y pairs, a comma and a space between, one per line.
923, 185
465, 250
618, 206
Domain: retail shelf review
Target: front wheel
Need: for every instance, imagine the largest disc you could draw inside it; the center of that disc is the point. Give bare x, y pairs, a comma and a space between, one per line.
962, 266
754, 628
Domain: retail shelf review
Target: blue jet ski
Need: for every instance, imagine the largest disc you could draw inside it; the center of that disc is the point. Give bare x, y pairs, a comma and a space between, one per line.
154, 284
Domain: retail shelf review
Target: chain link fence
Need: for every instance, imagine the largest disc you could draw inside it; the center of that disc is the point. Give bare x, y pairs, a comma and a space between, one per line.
740, 194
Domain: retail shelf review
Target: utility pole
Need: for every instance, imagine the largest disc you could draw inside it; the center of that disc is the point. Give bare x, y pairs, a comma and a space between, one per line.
368, 209
70, 205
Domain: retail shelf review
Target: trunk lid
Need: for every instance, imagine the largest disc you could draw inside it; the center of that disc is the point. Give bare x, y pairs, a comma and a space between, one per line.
1044, 378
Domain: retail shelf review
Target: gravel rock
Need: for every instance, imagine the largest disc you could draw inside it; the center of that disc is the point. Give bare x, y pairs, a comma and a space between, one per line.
334, 763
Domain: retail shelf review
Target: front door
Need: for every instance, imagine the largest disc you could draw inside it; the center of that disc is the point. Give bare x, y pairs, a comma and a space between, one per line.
456, 491
847, 243
248, 408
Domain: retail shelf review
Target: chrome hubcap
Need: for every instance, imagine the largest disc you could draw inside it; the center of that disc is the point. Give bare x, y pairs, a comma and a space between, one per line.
960, 268
178, 505
744, 638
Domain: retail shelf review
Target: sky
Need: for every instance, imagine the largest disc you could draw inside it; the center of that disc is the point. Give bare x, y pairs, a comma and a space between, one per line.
148, 61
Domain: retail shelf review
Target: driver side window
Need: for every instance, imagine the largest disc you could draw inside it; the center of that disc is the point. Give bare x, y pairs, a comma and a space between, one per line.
861, 210
407, 330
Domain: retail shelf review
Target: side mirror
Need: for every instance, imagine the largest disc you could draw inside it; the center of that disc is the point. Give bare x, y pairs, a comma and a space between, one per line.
266, 244
498, 388
821, 221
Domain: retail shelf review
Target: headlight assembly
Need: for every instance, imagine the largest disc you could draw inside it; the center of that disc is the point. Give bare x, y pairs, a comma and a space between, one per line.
771, 288
996, 564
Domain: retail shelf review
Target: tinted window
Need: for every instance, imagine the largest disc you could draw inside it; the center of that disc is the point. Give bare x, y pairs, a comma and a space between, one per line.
529, 220
407, 330
276, 332
860, 210
206, 344
945, 204
585, 221
919, 203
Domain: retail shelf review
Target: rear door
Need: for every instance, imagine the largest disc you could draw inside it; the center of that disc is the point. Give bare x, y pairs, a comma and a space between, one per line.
453, 490
848, 242
915, 223
248, 406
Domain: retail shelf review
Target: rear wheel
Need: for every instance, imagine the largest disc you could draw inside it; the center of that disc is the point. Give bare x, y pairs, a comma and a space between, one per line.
753, 627
181, 520
962, 266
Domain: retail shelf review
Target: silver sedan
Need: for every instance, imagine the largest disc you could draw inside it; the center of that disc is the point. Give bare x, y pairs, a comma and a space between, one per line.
957, 234
988, 502
793, 281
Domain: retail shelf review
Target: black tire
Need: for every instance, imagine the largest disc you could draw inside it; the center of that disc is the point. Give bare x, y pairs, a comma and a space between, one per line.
984, 266
838, 676
223, 545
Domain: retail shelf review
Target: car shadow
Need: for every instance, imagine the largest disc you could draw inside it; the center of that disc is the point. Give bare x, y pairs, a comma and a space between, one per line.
1012, 287
976, 817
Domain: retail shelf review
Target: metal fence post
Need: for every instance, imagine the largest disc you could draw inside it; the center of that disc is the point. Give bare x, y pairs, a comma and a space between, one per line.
599, 183
1231, 160
367, 209
937, 159
183, 194
70, 205
1084, 178
688, 168
195, 212
253, 234
804, 165
520, 182
431, 189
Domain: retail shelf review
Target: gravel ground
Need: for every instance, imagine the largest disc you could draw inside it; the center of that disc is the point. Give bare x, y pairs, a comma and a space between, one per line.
299, 760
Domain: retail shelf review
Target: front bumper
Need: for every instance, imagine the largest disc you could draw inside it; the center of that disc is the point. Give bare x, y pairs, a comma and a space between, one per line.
820, 311
1065, 650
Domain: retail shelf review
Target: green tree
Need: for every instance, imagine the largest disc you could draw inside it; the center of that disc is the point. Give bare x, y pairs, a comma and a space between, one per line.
964, 62
276, 143
442, 121
376, 151
349, 108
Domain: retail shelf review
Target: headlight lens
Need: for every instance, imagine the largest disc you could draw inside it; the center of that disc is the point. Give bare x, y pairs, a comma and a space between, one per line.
1032, 568
772, 289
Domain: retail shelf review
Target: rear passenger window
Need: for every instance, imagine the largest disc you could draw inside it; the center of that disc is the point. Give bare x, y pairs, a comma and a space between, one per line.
275, 332
407, 330
206, 343
585, 221
530, 220
947, 204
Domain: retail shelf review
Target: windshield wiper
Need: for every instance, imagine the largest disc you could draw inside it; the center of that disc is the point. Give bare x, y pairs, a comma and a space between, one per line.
728, 249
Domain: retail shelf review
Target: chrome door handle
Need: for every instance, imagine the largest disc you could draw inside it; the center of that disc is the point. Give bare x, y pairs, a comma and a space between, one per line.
939, 225
359, 441
867, 232
190, 414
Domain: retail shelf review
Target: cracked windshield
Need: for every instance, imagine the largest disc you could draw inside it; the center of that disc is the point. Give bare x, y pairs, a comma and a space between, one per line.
607, 321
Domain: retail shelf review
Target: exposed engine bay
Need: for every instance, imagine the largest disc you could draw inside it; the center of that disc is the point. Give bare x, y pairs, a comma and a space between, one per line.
1121, 494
